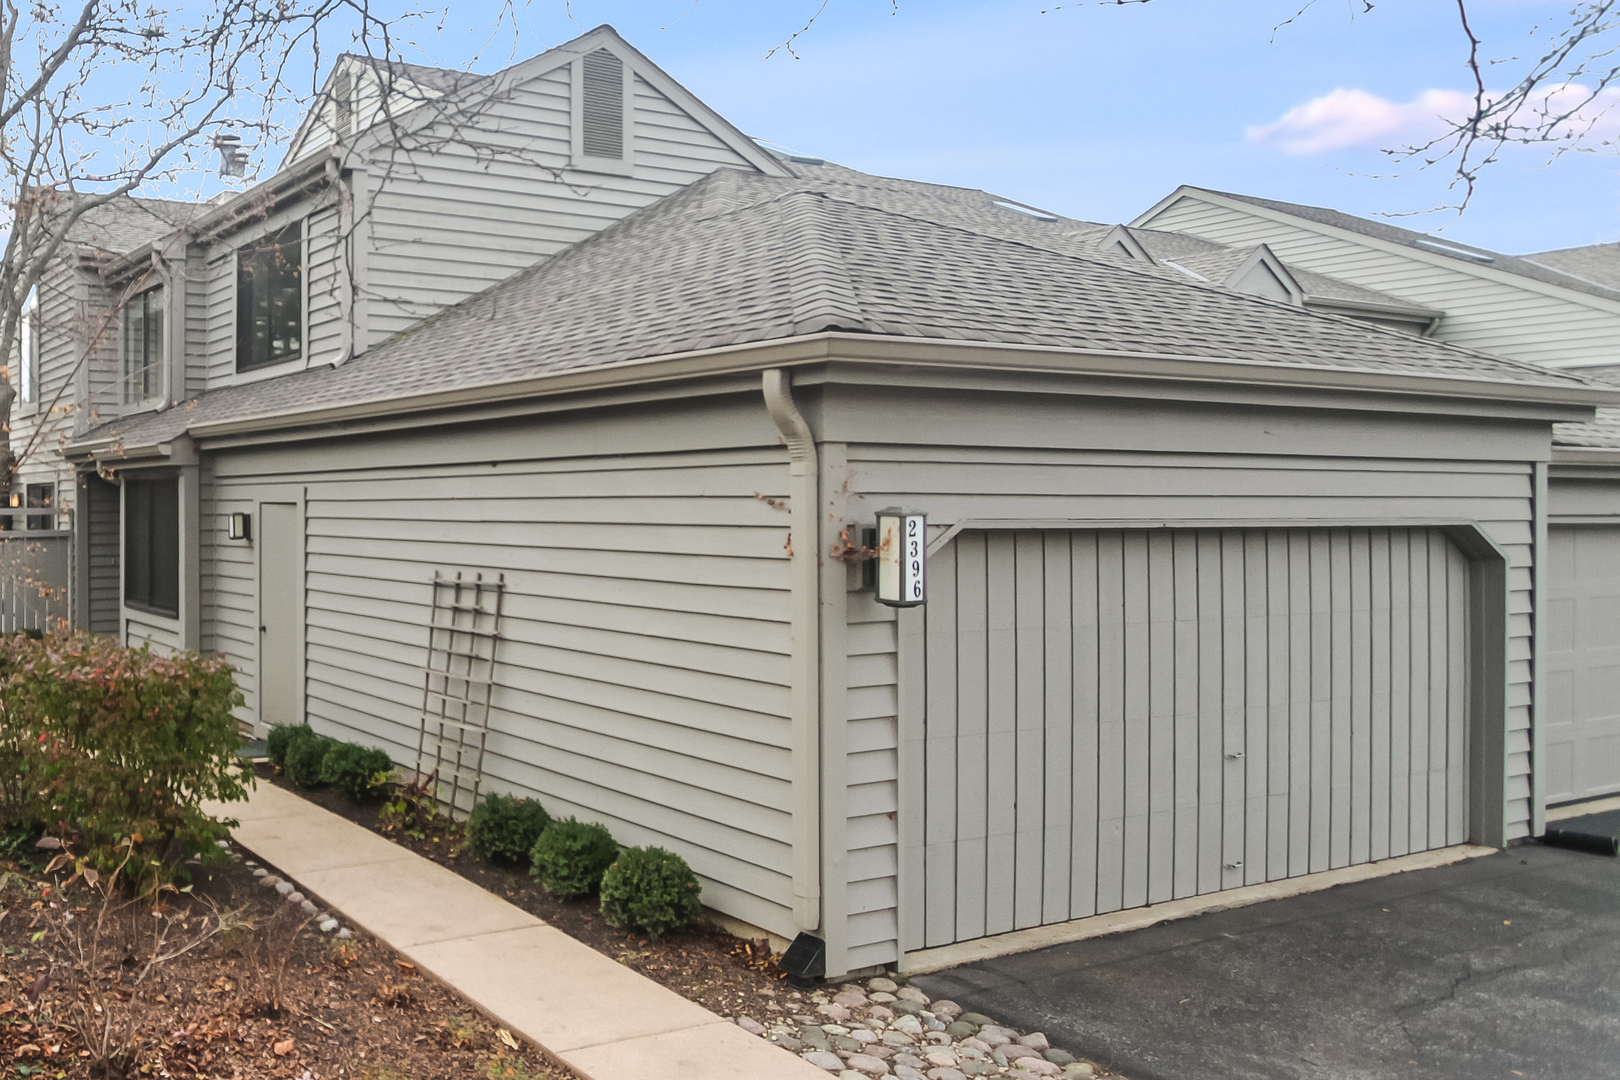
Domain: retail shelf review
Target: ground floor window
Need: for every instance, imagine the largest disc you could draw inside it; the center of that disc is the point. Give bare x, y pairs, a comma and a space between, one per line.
152, 545
42, 497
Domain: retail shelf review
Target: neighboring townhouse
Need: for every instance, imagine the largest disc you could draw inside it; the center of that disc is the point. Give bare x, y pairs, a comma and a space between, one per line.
1222, 588
1558, 308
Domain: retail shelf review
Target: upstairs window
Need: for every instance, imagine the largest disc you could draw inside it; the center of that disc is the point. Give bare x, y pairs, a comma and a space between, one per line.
28, 350
152, 545
270, 299
143, 347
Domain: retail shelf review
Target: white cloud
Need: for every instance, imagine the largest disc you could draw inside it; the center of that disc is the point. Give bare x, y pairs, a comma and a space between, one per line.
1347, 119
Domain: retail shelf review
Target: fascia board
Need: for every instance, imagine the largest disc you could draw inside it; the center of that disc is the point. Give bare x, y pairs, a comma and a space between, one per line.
1586, 456
1488, 273
1532, 400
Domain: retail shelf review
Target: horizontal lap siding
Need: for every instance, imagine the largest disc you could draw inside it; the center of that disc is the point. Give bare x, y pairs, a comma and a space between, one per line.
643, 664
954, 484
1482, 313
450, 219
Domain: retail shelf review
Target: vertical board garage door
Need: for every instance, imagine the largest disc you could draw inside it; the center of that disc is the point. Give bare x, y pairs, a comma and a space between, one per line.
1114, 719
1583, 663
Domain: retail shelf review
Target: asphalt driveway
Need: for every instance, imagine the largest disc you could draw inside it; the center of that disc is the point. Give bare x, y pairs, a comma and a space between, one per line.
1503, 966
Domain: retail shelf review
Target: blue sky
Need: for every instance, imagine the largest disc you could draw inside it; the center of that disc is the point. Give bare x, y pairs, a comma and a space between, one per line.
1098, 110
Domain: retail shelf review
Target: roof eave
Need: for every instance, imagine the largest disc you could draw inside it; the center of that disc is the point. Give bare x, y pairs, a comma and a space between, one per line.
919, 352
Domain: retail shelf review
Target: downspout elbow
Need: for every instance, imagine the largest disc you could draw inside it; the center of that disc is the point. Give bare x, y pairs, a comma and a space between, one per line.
803, 499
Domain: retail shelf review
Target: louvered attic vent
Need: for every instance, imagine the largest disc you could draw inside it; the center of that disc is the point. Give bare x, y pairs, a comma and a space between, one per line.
602, 109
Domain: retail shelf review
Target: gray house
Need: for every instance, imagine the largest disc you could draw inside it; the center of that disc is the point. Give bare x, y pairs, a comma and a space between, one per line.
1558, 308
404, 190
1221, 589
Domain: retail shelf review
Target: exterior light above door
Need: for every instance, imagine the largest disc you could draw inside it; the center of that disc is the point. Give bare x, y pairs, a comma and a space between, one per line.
241, 527
902, 557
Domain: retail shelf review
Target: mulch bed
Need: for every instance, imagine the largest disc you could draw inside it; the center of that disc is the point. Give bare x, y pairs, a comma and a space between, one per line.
243, 986
723, 973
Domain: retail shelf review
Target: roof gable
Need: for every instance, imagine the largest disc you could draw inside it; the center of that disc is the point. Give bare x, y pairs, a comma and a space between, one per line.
1463, 258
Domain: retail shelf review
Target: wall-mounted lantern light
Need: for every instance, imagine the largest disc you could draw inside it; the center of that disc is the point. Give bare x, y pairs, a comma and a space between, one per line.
241, 527
902, 557
14, 500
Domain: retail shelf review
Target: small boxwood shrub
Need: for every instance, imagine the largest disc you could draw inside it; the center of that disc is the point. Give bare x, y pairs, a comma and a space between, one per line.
306, 759
570, 856
503, 828
357, 771
281, 739
651, 890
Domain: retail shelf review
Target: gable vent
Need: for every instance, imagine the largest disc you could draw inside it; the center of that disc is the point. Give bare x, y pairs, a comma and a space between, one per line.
603, 106
342, 104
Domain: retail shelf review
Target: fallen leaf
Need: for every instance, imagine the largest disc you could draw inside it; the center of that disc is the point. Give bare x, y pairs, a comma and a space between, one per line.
1507, 922
405, 965
506, 1037
284, 1048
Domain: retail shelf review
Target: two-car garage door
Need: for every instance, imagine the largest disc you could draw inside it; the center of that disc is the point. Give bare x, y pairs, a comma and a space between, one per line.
1118, 718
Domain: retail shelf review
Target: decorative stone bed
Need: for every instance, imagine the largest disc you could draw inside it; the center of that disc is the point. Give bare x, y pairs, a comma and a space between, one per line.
884, 1029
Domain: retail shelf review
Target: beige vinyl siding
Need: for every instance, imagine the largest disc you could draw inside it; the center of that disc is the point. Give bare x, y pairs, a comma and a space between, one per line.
643, 662
1317, 484
469, 208
1495, 316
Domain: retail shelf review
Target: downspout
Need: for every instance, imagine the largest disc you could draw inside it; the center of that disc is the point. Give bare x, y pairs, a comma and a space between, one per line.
803, 499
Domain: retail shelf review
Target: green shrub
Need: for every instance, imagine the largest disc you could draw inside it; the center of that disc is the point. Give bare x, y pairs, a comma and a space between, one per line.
651, 890
281, 739
357, 771
569, 857
113, 750
502, 828
306, 760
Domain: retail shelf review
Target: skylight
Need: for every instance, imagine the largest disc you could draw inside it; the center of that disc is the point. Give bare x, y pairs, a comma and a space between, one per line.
1038, 215
1461, 253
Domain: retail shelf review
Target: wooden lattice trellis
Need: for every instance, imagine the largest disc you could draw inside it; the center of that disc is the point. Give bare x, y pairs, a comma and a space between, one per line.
457, 683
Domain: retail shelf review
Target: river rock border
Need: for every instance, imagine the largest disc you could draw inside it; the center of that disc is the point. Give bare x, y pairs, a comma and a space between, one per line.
883, 1029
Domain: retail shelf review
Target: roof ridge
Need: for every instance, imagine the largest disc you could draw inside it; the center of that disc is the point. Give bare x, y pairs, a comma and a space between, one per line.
820, 286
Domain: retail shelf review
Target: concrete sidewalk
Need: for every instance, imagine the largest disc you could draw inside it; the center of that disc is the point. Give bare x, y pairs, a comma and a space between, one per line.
604, 1020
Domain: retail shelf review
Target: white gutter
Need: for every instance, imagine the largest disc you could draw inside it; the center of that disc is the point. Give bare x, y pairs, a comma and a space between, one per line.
804, 551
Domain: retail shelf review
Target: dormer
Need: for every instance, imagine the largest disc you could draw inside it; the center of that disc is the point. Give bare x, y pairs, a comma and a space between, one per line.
1263, 274
1121, 241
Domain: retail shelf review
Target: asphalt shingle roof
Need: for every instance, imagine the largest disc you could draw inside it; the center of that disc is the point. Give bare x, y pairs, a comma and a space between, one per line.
127, 222
1532, 267
1598, 263
745, 258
